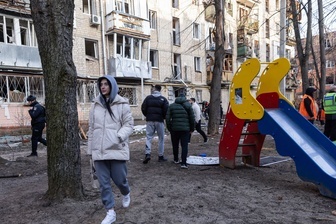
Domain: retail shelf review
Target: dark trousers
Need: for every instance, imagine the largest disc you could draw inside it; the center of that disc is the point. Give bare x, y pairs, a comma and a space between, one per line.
183, 138
330, 129
199, 130
37, 130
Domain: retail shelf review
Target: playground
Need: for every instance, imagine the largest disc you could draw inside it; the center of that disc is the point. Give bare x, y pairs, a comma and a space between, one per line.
275, 167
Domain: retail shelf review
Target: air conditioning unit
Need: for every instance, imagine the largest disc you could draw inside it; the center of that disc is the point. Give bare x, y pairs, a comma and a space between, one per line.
95, 20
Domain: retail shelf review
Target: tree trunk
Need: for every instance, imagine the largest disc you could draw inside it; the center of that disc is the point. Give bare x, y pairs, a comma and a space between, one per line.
215, 93
302, 54
322, 79
53, 21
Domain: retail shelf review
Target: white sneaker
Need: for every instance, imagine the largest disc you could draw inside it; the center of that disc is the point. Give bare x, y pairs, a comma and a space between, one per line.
126, 200
110, 217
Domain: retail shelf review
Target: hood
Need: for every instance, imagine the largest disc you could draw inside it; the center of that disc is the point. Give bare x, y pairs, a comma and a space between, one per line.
113, 86
156, 93
310, 91
180, 99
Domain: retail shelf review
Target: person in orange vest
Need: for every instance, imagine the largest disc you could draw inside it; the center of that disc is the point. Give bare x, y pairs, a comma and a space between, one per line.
307, 106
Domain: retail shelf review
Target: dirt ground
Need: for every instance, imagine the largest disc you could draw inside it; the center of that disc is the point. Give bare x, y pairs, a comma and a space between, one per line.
165, 193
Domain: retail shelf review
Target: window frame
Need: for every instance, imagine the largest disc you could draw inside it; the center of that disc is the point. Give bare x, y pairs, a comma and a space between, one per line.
197, 64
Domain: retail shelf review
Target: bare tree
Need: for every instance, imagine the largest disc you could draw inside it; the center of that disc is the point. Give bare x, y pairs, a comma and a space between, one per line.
322, 78
53, 21
215, 93
303, 54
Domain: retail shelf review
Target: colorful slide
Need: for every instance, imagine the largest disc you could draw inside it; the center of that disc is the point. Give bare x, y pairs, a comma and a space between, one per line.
314, 154
271, 113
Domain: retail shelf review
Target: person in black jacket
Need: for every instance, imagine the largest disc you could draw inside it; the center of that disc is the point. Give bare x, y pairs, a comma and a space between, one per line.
154, 108
180, 121
38, 120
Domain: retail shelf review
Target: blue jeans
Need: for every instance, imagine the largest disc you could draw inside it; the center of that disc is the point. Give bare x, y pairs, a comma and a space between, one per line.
151, 127
183, 138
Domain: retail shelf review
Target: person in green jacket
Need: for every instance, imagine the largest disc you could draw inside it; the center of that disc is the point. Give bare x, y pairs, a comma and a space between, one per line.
180, 122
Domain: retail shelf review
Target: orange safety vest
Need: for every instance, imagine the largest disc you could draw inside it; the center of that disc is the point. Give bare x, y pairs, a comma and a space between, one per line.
322, 115
302, 109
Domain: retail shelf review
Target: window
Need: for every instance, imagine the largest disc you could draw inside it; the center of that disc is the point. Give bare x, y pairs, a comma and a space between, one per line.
176, 31
177, 67
267, 29
175, 4
288, 54
152, 19
196, 31
197, 64
327, 43
227, 65
330, 64
154, 58
91, 48
16, 88
267, 53
86, 6
10, 31
89, 7
24, 30
125, 6
277, 5
129, 93
86, 91
128, 47
199, 96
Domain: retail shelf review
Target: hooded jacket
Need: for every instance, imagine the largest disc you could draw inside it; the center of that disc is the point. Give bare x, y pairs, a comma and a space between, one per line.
155, 107
180, 116
109, 130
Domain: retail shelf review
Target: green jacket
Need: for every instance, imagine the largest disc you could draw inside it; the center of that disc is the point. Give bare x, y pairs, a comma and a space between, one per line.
180, 116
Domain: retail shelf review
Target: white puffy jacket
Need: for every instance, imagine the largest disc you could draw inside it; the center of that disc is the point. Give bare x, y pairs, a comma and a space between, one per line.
108, 135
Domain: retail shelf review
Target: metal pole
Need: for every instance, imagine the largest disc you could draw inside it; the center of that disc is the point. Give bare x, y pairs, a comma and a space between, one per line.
283, 40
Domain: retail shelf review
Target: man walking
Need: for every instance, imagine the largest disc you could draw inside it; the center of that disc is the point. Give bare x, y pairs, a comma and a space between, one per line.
38, 120
197, 114
180, 122
154, 108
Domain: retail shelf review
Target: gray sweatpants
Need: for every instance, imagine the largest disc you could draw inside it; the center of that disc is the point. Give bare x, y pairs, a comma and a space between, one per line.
115, 170
151, 127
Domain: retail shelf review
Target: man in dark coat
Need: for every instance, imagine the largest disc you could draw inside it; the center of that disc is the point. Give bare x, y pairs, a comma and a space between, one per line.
154, 108
180, 121
38, 120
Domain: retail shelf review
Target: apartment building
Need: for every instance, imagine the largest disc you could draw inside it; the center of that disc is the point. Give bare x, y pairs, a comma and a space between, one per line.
141, 43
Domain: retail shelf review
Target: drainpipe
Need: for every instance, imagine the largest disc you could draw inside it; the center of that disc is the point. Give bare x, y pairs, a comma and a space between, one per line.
103, 36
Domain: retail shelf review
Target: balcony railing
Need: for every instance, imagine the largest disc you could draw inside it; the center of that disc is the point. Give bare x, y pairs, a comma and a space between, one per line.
19, 56
128, 24
129, 68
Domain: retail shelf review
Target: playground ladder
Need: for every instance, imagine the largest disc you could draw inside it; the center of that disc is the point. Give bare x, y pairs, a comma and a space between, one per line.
235, 130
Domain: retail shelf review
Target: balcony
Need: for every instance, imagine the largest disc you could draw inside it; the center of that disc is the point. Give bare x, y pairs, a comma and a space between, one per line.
19, 56
250, 26
129, 68
226, 78
248, 3
127, 25
244, 51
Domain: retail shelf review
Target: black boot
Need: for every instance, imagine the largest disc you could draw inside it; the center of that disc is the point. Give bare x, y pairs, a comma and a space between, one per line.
162, 159
147, 158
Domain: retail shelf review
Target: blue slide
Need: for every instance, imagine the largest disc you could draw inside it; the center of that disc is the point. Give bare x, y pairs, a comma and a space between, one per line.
313, 153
